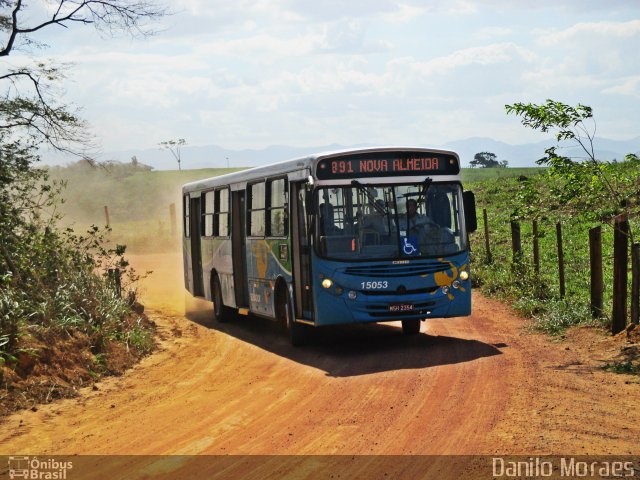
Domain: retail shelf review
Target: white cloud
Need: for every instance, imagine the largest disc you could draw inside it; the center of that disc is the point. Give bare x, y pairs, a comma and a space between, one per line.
629, 87
587, 30
253, 73
488, 33
493, 54
404, 13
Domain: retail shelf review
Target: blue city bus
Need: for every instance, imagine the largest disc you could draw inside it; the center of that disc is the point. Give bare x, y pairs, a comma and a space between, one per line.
352, 236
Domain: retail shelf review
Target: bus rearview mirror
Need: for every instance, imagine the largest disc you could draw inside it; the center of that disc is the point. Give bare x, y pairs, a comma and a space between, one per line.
308, 201
469, 200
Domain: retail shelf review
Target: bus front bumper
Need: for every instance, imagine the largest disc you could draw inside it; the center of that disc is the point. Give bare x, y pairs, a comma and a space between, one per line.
337, 310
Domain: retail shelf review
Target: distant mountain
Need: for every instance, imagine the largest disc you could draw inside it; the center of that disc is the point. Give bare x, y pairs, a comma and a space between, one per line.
525, 155
207, 156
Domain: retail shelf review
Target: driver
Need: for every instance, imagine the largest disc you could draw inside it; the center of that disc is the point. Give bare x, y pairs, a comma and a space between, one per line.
432, 237
414, 221
327, 220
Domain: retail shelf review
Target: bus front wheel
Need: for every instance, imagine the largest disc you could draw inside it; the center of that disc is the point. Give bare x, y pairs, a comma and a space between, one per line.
298, 333
411, 326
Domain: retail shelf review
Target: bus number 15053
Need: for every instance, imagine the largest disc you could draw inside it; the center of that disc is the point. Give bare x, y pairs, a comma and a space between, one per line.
374, 285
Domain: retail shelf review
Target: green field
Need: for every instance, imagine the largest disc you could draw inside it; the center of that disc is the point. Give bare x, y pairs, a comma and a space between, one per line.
480, 174
538, 296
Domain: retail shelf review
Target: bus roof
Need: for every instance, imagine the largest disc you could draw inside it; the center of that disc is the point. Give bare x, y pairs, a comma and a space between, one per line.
295, 165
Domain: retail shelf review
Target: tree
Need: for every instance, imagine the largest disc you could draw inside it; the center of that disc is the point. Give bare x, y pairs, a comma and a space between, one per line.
487, 160
31, 106
48, 276
174, 147
592, 187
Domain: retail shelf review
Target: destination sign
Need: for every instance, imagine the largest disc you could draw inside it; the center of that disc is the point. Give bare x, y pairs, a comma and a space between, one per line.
387, 164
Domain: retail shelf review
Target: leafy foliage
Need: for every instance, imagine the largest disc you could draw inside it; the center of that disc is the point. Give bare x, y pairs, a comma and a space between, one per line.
51, 279
583, 187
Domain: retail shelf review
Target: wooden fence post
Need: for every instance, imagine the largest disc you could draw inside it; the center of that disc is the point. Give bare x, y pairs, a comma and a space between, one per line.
635, 283
597, 280
106, 215
536, 249
516, 244
620, 269
560, 260
172, 217
486, 236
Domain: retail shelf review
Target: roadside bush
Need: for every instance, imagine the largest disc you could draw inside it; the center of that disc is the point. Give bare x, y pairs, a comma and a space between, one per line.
54, 280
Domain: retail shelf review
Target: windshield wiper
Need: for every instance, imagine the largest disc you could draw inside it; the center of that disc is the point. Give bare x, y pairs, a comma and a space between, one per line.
381, 209
425, 187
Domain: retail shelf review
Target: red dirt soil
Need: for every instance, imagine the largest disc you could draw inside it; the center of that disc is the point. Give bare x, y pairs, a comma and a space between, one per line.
474, 385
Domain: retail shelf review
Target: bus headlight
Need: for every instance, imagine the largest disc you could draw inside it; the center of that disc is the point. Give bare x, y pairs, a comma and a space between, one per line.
445, 289
455, 284
464, 275
327, 283
352, 294
339, 290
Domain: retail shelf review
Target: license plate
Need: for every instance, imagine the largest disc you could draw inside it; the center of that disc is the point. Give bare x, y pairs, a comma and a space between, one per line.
400, 307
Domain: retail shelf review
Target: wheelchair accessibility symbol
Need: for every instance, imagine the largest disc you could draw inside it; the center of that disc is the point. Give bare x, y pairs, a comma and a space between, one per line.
408, 245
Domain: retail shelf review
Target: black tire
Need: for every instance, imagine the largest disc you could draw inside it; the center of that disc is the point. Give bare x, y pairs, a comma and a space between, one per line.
221, 314
297, 332
411, 326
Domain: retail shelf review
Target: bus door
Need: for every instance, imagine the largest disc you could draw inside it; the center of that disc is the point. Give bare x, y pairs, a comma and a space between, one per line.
238, 251
196, 252
301, 245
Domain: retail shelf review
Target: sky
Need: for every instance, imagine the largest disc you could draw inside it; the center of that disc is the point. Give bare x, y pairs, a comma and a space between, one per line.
254, 73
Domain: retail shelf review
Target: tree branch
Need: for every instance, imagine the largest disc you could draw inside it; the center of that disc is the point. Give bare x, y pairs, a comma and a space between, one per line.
36, 114
27, 107
124, 15
14, 30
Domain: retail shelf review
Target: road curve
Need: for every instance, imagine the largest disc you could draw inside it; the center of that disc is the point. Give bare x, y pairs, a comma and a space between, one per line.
475, 385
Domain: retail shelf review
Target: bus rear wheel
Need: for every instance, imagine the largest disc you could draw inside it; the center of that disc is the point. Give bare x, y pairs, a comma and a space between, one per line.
411, 326
221, 313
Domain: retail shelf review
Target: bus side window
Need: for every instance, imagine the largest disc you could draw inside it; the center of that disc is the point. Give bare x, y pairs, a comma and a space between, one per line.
256, 209
207, 214
221, 216
277, 208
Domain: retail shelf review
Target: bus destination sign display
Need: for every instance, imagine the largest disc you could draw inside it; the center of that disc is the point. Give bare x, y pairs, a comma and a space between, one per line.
387, 164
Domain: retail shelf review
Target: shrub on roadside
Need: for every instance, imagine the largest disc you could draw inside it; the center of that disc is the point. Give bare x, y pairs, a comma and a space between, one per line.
58, 289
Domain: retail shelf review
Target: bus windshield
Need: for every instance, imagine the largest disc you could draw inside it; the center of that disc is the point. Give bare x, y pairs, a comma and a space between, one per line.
363, 222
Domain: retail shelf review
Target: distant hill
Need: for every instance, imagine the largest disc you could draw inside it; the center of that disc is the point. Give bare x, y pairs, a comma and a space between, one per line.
213, 156
525, 155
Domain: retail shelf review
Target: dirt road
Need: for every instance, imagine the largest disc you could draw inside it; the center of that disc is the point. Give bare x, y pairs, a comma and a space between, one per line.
477, 385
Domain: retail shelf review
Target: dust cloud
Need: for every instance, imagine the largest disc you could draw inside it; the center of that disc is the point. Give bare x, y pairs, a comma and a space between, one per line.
144, 213
163, 289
